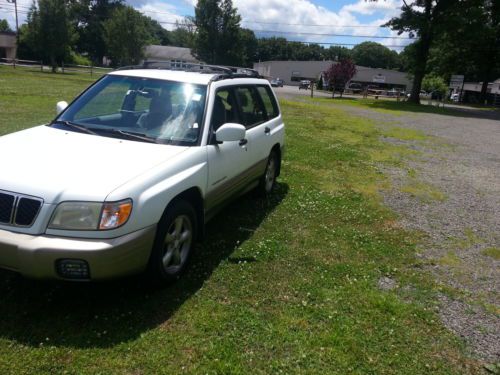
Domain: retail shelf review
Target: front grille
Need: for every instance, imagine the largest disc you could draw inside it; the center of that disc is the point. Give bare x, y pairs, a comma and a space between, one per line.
18, 210
6, 207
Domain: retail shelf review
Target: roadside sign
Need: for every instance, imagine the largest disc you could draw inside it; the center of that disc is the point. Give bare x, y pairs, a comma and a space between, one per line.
379, 78
456, 81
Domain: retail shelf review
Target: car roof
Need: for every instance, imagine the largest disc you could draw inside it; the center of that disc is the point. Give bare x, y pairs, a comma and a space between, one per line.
168, 75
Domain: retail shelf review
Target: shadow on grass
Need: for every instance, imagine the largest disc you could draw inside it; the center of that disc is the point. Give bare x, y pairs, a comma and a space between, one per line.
101, 315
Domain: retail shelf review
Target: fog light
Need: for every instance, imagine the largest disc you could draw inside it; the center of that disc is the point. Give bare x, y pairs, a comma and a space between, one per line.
75, 269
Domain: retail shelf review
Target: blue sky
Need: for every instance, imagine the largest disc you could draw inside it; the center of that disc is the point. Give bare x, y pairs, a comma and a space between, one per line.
293, 19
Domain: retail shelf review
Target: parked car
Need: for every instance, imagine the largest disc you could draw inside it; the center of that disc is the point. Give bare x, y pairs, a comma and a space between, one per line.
305, 84
277, 82
354, 88
455, 97
124, 179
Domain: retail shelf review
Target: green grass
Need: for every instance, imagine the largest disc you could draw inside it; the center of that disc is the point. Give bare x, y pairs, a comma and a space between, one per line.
493, 252
285, 285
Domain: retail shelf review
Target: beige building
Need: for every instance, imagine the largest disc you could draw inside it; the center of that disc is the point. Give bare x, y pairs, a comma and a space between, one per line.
8, 45
292, 72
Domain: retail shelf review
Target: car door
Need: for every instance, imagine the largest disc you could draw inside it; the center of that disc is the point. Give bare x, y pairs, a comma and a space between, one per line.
253, 116
228, 162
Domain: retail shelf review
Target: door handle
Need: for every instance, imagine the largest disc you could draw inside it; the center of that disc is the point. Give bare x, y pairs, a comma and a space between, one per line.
243, 142
267, 130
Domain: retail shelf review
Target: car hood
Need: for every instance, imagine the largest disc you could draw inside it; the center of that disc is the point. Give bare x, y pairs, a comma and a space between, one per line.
59, 165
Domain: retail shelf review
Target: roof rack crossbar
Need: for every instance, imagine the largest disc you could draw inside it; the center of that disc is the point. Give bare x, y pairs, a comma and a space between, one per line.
224, 72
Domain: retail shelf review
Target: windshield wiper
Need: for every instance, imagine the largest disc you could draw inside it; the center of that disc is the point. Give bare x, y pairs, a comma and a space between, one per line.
82, 128
131, 135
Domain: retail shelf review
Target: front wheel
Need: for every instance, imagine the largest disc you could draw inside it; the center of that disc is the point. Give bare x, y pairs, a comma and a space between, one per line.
268, 180
175, 238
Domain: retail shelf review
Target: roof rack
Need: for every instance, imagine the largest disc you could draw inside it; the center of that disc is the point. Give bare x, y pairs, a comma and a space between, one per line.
223, 72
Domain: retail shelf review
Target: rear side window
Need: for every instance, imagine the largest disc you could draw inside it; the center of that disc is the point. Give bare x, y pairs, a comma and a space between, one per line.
269, 102
252, 108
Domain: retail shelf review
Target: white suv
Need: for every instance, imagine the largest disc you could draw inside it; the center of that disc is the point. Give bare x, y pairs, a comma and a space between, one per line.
126, 176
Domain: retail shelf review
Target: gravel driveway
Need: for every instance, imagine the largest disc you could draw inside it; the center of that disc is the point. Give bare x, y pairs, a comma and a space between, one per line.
450, 191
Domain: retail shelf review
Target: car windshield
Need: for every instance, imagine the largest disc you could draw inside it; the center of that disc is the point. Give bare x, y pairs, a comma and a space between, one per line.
141, 109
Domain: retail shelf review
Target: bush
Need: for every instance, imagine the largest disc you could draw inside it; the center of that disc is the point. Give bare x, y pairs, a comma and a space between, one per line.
435, 84
78, 59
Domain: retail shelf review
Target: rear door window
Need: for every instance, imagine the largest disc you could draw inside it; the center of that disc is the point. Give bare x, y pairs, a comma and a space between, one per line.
269, 102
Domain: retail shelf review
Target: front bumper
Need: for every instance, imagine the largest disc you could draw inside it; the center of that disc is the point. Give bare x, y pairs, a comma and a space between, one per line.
36, 256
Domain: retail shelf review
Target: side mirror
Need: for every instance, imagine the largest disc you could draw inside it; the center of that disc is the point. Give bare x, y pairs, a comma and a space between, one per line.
230, 132
61, 106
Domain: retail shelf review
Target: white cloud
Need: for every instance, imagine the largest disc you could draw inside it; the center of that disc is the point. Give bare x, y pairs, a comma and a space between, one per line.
291, 16
161, 12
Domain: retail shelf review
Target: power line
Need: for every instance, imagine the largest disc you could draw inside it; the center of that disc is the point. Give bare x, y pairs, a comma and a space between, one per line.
339, 35
315, 34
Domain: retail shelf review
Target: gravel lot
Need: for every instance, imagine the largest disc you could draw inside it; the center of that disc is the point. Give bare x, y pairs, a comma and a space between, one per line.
460, 166
451, 192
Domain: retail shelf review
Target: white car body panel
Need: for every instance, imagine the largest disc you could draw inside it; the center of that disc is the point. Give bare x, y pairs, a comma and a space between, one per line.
59, 165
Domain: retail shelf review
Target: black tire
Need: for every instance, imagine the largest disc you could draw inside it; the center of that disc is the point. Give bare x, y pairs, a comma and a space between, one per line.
268, 181
175, 239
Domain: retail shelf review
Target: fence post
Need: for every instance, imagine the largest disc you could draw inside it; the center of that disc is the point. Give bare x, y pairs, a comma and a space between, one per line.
62, 66
14, 63
91, 70
41, 65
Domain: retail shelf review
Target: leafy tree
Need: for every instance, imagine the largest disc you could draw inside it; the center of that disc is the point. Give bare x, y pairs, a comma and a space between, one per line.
183, 34
339, 74
375, 55
88, 18
4, 26
218, 37
470, 48
159, 35
50, 34
125, 35
250, 44
426, 19
434, 84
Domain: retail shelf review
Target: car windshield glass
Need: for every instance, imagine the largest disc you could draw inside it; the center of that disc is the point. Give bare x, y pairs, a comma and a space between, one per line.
163, 111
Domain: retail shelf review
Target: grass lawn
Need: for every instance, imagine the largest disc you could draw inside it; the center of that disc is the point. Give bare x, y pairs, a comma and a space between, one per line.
286, 285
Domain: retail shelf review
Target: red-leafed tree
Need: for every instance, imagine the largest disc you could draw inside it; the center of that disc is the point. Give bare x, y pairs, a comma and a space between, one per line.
339, 74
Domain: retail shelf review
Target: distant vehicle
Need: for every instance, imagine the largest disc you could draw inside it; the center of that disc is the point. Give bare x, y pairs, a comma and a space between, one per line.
394, 92
374, 90
277, 82
455, 97
305, 84
355, 88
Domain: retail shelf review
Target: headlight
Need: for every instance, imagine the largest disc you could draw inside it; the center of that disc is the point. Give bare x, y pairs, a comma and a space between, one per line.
91, 216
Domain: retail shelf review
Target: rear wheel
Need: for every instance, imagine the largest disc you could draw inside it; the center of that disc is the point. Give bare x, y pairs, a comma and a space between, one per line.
175, 238
268, 180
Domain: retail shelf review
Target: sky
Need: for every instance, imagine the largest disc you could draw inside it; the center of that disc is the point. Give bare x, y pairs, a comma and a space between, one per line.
299, 20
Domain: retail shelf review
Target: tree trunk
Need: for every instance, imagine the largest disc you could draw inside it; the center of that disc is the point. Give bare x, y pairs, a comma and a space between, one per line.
53, 64
420, 68
484, 89
333, 92
423, 47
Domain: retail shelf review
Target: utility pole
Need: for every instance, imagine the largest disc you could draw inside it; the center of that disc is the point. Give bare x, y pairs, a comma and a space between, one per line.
17, 29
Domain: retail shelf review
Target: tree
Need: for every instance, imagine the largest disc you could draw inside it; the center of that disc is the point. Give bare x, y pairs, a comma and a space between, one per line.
434, 84
471, 47
375, 55
183, 34
339, 74
50, 34
88, 18
125, 35
218, 36
426, 19
4, 27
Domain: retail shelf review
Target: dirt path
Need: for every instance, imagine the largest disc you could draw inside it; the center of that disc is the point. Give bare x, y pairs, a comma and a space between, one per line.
450, 192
